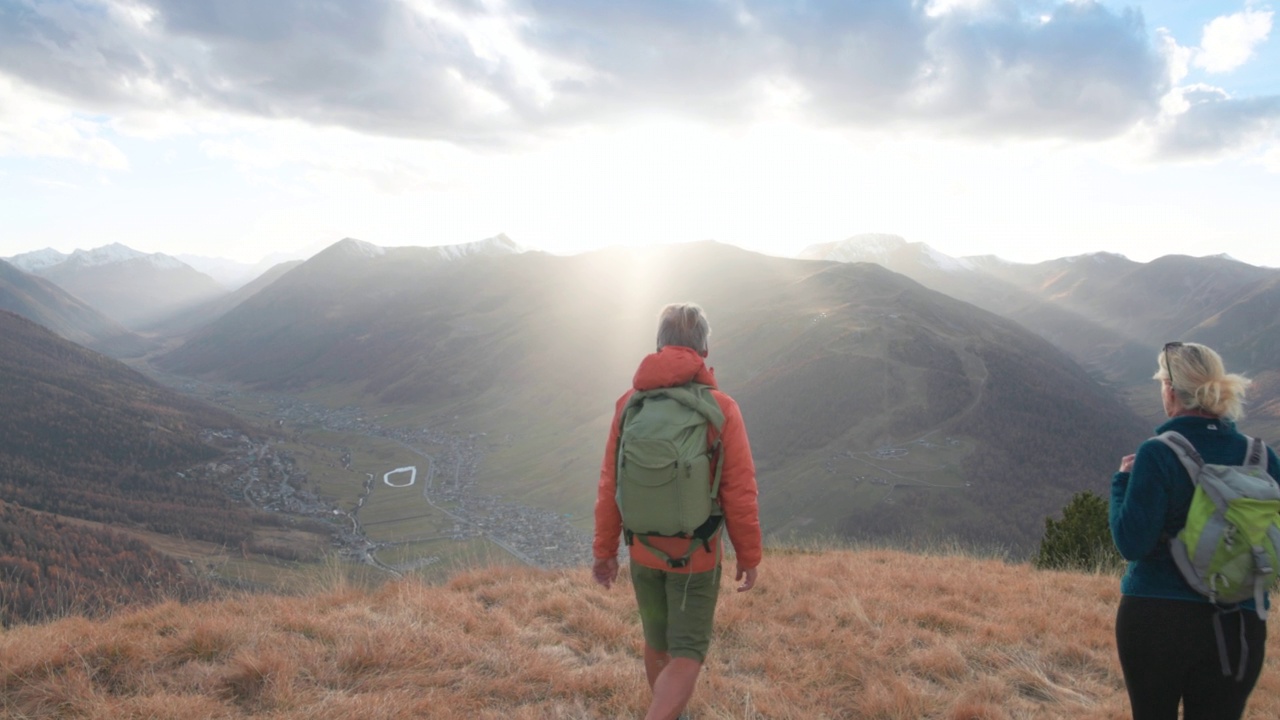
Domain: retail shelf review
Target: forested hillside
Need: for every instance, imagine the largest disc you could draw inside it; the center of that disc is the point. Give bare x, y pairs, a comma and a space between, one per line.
49, 567
83, 436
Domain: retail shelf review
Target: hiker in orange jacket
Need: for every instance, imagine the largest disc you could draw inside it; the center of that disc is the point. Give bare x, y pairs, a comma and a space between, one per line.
677, 604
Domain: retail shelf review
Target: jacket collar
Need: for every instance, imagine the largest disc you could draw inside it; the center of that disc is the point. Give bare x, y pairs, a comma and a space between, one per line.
1196, 423
672, 366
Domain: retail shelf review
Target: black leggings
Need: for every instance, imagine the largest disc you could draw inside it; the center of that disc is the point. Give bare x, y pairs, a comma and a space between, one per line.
1169, 653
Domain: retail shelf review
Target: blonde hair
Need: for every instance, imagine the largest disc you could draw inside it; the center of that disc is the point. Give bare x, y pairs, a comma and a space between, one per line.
1200, 380
683, 324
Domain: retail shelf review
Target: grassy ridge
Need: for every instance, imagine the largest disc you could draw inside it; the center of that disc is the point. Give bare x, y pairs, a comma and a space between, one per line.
835, 634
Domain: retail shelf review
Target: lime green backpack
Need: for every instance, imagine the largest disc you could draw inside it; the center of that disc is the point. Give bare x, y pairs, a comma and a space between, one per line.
1229, 550
667, 484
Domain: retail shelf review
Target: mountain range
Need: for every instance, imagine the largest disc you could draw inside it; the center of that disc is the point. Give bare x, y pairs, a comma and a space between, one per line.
839, 370
1108, 312
44, 302
891, 392
91, 296
132, 288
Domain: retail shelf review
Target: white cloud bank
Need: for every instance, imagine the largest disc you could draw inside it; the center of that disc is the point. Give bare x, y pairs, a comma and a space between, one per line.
1201, 121
485, 71
406, 120
1230, 41
31, 126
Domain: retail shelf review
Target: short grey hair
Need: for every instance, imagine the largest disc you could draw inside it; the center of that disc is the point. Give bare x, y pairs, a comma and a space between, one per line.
683, 324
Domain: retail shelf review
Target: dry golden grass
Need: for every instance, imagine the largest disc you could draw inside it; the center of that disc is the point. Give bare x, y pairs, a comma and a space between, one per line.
836, 634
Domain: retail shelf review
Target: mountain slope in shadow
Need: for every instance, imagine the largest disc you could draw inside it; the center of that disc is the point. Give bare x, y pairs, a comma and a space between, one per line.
43, 302
1110, 313
832, 364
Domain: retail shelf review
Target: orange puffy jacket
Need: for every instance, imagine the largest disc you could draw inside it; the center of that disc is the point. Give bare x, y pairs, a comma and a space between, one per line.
673, 366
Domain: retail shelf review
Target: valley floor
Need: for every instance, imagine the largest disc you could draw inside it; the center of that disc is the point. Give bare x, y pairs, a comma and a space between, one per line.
452, 513
835, 634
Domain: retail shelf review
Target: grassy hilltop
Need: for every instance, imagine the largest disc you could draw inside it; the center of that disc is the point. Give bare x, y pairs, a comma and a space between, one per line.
834, 634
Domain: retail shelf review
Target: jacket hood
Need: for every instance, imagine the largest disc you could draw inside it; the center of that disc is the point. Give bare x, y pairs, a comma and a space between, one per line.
672, 366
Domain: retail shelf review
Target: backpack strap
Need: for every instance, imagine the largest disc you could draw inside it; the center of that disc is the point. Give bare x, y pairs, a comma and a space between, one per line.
1262, 569
1221, 638
1256, 454
633, 405
717, 451
698, 397
701, 538
1186, 452
1259, 586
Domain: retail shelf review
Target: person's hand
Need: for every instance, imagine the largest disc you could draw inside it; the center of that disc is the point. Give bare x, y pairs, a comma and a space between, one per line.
1126, 463
605, 571
747, 576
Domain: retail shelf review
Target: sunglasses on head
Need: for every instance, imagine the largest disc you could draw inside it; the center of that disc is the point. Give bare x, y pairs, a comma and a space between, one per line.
1168, 369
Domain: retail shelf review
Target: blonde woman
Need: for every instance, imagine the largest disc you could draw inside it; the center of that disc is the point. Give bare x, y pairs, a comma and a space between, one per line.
1170, 650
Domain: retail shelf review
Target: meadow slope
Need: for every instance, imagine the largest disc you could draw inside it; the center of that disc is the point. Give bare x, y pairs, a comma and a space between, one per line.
834, 634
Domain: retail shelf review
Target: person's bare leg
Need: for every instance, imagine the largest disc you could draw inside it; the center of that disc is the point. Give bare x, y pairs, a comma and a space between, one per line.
673, 688
654, 662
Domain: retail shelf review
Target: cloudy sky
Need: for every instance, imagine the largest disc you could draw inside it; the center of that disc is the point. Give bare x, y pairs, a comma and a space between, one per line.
1027, 129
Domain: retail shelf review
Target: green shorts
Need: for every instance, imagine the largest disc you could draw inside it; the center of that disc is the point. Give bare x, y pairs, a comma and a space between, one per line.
677, 610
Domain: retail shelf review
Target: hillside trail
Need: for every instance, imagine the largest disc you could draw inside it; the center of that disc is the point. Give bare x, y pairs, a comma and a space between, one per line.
978, 373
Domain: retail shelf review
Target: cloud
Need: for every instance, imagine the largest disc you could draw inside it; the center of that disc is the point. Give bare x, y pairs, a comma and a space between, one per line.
984, 68
33, 127
1229, 41
1271, 159
1081, 71
1200, 121
378, 66
1214, 124
483, 71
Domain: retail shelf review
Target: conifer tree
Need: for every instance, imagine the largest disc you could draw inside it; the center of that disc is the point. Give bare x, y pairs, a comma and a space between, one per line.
1081, 540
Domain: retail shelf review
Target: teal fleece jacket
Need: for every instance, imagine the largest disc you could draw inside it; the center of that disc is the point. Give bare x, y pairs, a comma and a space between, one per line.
1153, 500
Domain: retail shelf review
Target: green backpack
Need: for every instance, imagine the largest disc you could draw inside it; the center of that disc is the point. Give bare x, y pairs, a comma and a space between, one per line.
1229, 550
666, 483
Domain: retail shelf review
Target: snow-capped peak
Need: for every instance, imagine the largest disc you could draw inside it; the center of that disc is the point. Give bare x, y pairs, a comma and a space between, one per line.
886, 250
360, 248
1098, 258
105, 255
165, 262
497, 245
43, 261
37, 260
945, 262
352, 248
868, 247
987, 261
